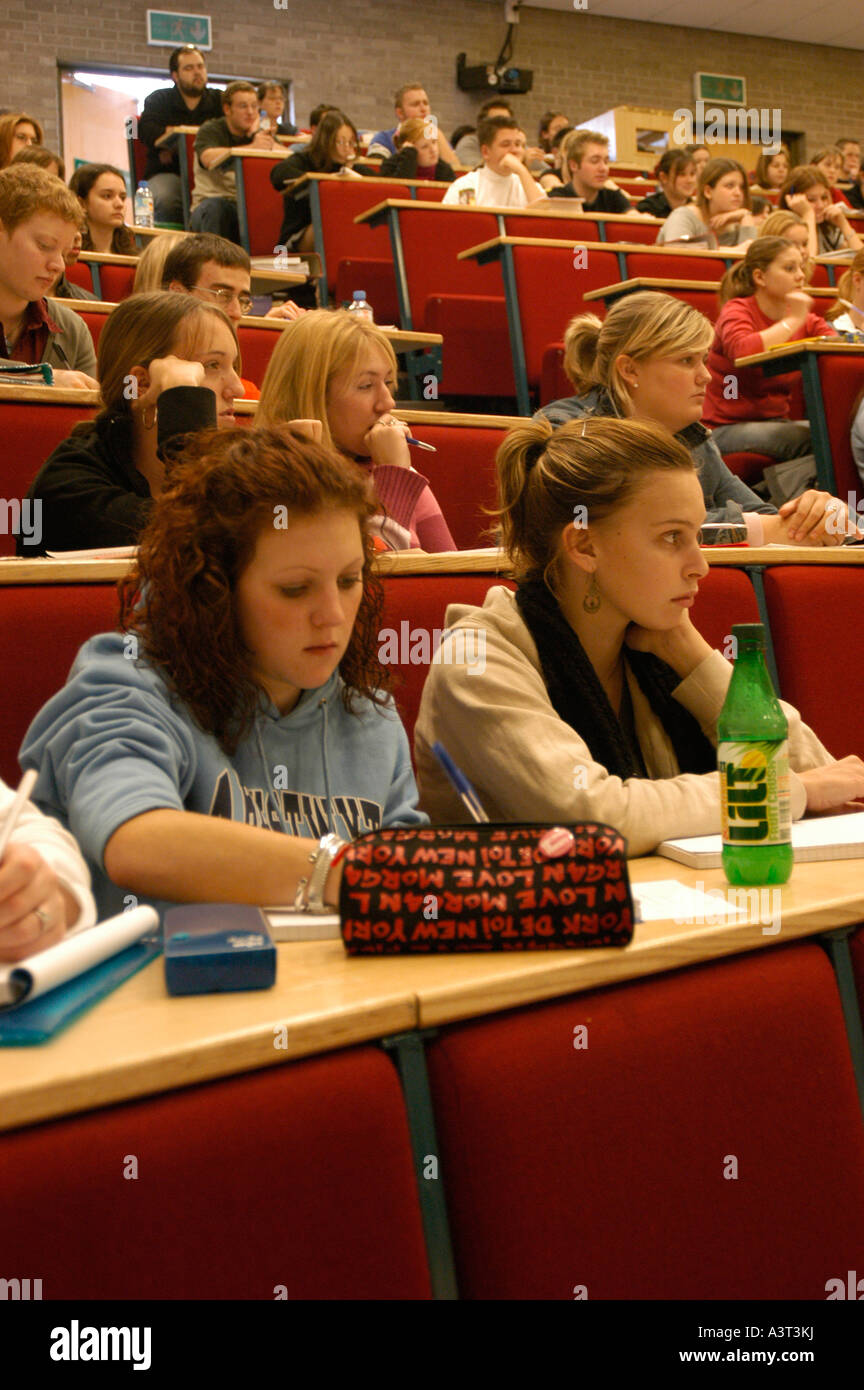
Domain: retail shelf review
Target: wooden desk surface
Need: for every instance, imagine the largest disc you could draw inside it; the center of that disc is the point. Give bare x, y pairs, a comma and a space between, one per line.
402, 339
648, 282
815, 345
139, 1041
552, 208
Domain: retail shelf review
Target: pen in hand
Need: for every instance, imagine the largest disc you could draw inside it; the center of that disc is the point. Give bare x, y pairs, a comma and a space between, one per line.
25, 787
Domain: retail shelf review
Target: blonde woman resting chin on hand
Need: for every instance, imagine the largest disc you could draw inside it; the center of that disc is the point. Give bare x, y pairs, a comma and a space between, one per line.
341, 370
596, 698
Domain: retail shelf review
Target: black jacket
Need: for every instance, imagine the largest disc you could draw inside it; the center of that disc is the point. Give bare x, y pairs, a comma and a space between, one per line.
403, 165
656, 203
167, 107
92, 494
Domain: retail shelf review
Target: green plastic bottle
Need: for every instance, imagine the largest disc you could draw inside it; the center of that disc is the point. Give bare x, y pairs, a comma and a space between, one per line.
753, 759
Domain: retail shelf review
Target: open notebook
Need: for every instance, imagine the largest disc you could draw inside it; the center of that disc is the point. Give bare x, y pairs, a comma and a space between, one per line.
75, 954
821, 838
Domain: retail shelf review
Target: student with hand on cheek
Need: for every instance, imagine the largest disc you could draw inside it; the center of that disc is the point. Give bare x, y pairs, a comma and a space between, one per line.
240, 719
167, 365
598, 699
341, 370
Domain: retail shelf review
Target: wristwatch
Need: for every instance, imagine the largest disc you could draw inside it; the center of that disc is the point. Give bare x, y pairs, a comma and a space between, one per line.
309, 896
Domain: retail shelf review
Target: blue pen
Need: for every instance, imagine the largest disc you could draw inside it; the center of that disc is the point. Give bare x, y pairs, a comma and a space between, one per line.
419, 444
467, 794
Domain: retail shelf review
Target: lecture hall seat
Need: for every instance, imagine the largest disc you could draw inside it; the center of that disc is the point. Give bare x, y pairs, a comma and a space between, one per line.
815, 613
609, 1167
299, 1175
30, 432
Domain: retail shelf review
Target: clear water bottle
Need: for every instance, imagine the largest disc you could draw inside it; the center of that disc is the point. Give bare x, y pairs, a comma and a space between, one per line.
361, 307
143, 206
264, 122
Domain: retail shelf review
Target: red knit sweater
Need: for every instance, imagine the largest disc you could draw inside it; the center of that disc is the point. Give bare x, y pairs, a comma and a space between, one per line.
759, 397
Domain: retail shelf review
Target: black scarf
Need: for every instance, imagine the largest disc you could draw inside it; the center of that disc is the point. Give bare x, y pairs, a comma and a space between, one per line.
580, 700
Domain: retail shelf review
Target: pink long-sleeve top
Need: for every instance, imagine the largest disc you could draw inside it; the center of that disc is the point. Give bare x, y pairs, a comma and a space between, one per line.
754, 395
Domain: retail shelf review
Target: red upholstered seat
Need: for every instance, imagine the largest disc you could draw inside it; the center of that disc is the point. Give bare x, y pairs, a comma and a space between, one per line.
609, 1167
462, 476
257, 345
633, 231
414, 605
300, 1175
820, 278
815, 613
41, 629
726, 596
460, 299
116, 281
545, 315
476, 352
377, 278
429, 193
30, 431
842, 382
667, 265
94, 321
264, 209
554, 228
79, 274
342, 200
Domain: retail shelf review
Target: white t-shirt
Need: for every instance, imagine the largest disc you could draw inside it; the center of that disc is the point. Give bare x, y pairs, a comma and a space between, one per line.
490, 190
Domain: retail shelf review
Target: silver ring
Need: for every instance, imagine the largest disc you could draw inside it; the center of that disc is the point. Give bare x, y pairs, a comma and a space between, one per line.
45, 922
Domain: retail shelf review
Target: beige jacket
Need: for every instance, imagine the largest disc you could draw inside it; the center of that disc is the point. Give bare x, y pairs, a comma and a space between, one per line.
486, 700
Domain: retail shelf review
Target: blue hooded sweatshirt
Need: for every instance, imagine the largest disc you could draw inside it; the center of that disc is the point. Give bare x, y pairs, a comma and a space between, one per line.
116, 742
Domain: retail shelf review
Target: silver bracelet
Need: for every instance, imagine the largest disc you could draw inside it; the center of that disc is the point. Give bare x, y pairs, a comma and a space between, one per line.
309, 895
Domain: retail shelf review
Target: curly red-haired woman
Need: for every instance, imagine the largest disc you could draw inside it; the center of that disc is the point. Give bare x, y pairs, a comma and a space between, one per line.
244, 695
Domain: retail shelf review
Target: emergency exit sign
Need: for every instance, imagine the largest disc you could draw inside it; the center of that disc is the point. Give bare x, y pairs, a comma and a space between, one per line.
169, 30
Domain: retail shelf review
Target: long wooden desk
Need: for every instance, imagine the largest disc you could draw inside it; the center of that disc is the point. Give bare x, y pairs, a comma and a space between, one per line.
264, 278
46, 571
140, 1041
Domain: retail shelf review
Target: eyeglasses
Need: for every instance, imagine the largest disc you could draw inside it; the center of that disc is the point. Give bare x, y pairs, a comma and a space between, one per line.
223, 297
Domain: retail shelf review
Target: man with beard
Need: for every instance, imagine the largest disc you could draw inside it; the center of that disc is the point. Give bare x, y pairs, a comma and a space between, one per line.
189, 102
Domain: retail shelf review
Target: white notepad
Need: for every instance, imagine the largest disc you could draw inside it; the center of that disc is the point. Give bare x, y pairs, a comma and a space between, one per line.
821, 838
286, 925
79, 951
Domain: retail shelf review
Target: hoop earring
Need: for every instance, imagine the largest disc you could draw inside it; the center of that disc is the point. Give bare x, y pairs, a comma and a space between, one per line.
144, 417
592, 600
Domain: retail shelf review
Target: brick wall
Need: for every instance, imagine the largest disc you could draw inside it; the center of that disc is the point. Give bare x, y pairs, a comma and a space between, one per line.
357, 51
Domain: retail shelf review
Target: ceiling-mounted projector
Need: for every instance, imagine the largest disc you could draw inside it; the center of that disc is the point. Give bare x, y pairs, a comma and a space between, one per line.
487, 77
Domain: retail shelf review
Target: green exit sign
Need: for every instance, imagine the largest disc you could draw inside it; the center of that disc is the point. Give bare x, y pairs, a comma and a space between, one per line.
720, 87
170, 30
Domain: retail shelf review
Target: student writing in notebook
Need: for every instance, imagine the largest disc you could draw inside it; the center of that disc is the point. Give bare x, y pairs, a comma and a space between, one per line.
44, 883
244, 697
598, 699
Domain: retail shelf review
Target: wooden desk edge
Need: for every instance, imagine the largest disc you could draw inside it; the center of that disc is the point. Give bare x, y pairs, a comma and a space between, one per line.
480, 561
202, 1061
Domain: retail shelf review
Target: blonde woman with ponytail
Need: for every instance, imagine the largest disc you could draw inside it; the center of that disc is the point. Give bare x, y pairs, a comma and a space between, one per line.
596, 698
646, 361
